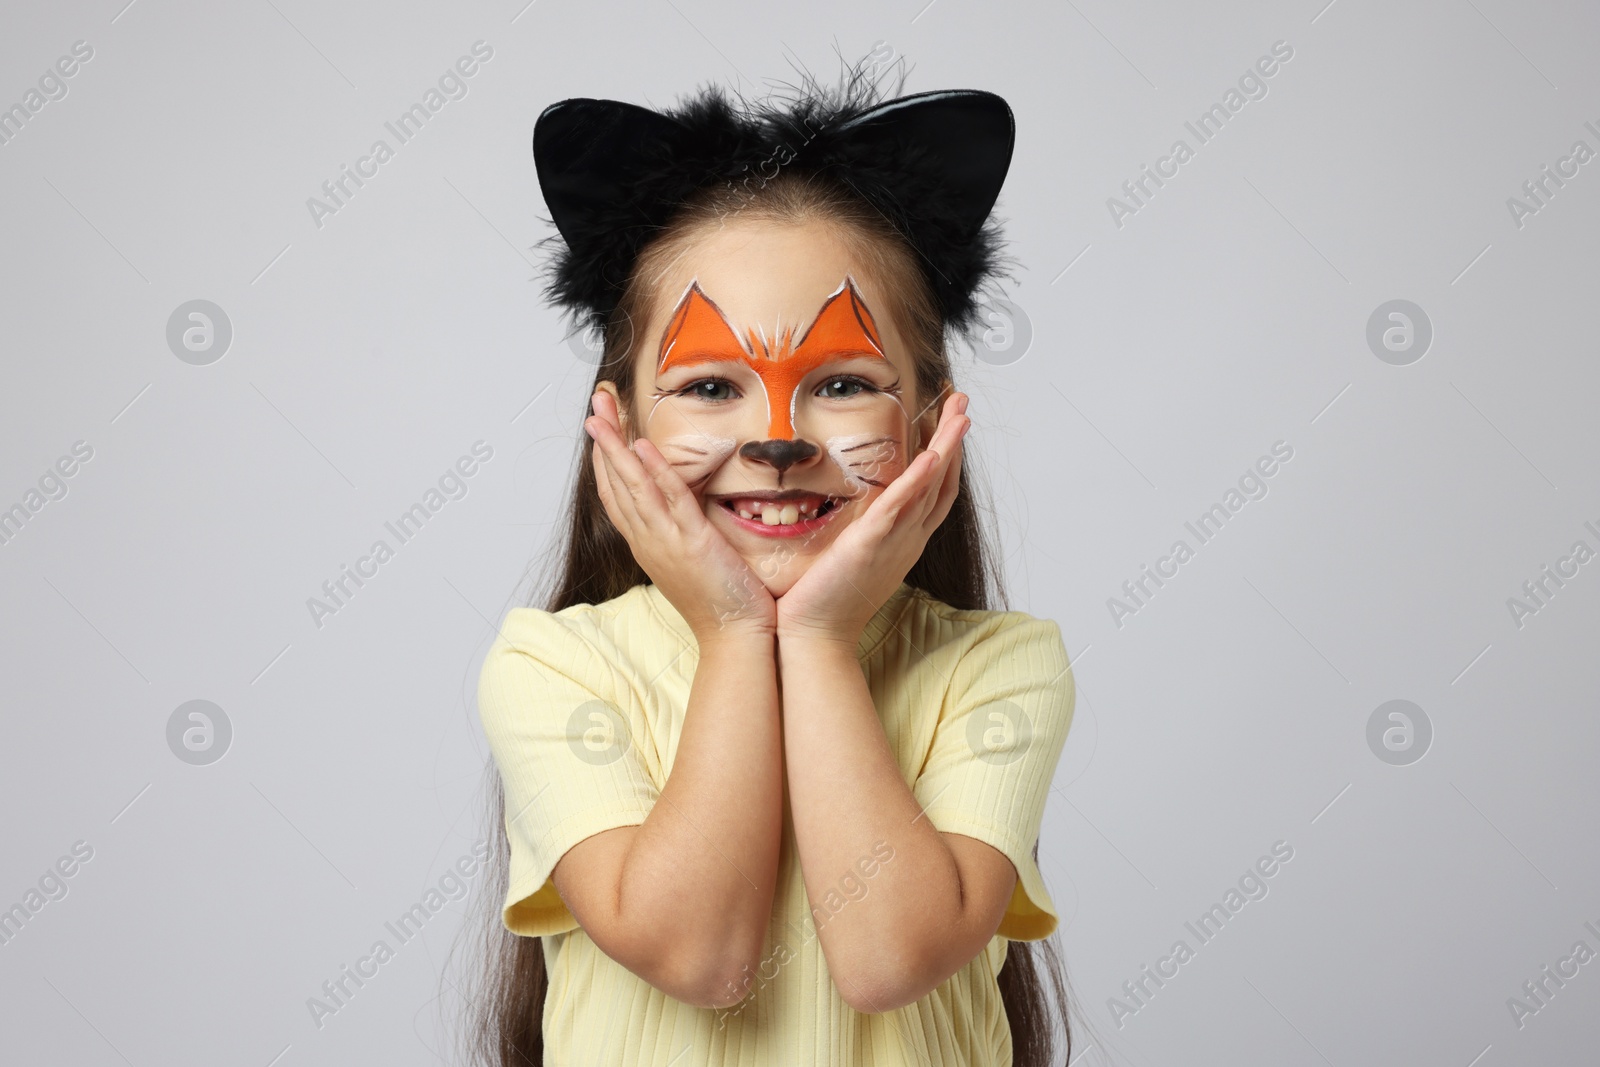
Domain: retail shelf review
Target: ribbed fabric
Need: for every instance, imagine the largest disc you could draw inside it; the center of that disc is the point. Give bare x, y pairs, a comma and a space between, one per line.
583, 709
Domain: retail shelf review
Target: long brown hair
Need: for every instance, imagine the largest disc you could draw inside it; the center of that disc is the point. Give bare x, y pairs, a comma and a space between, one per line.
959, 566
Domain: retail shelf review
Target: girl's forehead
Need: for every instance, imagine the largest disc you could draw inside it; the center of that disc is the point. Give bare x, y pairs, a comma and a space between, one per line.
766, 276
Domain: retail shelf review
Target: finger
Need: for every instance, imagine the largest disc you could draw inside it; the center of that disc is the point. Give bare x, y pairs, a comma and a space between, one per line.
660, 500
609, 416
948, 441
951, 423
938, 452
908, 493
619, 505
681, 504
918, 508
884, 512
948, 488
605, 406
597, 461
628, 470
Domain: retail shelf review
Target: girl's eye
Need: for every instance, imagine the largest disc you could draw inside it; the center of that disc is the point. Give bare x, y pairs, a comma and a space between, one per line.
707, 389
852, 385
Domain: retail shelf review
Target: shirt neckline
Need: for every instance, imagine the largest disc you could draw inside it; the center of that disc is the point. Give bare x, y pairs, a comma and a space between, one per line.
872, 634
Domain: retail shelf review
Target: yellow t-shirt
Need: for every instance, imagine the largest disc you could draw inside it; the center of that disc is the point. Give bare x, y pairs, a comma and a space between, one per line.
583, 709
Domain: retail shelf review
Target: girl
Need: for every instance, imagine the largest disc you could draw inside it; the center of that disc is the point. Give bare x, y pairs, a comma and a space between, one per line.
771, 773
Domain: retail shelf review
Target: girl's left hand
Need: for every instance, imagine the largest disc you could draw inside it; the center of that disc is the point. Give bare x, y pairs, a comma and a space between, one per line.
854, 576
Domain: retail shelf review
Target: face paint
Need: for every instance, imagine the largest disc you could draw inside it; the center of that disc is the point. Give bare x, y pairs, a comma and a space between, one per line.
698, 455
834, 388
863, 458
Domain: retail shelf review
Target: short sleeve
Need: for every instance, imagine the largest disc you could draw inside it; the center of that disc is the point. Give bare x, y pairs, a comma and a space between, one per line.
568, 756
994, 753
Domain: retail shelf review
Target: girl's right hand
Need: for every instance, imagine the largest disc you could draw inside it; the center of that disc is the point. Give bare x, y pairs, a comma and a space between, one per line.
688, 559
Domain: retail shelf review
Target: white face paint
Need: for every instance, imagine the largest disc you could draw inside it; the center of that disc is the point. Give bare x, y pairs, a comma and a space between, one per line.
696, 456
867, 460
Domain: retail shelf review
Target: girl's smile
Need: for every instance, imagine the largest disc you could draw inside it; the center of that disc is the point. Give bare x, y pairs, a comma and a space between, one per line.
790, 513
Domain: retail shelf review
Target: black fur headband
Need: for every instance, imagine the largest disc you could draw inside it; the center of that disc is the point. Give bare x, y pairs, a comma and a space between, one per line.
932, 163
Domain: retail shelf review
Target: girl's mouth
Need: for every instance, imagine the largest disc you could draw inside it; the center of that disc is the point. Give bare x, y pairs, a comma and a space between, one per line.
789, 518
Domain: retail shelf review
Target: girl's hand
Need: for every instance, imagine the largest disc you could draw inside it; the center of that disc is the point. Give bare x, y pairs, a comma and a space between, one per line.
693, 565
852, 579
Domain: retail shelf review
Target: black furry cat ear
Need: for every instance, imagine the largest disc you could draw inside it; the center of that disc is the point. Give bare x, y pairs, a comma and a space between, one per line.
932, 164
967, 135
587, 153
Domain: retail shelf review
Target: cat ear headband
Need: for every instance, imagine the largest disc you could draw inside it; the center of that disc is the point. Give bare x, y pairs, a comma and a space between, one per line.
932, 164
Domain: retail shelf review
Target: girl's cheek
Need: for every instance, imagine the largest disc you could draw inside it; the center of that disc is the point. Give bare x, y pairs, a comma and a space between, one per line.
868, 461
696, 455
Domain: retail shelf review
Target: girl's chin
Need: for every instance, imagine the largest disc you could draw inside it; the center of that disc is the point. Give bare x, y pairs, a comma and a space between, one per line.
780, 555
780, 583
777, 567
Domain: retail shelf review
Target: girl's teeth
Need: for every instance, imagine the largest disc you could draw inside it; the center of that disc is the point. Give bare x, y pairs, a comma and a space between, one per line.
781, 514
775, 515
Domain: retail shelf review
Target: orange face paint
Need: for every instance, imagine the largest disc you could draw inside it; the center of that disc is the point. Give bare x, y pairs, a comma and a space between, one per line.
698, 333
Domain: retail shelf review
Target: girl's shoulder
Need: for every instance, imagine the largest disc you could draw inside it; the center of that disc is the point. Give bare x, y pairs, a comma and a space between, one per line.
930, 604
612, 630
930, 624
552, 662
582, 616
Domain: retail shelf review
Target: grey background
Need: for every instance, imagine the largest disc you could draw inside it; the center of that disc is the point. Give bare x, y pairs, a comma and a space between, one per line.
1167, 355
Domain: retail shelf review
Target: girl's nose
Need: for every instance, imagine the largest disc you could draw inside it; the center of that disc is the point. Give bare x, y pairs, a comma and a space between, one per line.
779, 454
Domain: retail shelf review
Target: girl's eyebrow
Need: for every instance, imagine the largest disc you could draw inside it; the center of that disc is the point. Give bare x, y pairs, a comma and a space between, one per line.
699, 355
839, 355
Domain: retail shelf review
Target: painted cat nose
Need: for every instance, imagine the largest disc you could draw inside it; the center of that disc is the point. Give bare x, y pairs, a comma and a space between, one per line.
778, 453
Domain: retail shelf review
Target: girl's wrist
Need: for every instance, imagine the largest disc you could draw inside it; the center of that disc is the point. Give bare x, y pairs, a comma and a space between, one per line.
795, 634
742, 634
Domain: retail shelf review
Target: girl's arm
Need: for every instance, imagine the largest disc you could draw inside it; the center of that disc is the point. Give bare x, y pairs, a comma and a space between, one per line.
931, 909
683, 900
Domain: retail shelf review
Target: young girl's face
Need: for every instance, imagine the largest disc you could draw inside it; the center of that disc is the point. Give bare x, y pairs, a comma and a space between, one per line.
773, 379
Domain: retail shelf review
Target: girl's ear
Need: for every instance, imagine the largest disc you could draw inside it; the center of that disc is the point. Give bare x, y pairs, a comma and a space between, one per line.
622, 409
